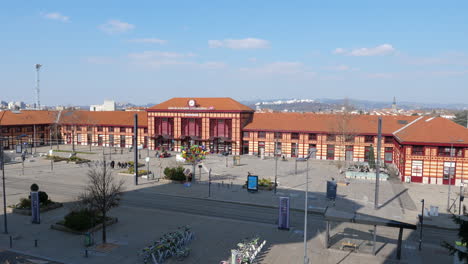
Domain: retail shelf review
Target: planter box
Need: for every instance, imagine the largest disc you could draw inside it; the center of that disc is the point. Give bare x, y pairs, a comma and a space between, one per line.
27, 211
63, 228
264, 188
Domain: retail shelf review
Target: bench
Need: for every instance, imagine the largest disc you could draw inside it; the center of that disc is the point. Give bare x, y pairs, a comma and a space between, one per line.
348, 244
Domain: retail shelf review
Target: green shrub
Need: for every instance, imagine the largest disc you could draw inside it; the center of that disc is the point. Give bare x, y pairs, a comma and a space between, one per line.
81, 220
24, 203
43, 198
131, 163
175, 174
131, 170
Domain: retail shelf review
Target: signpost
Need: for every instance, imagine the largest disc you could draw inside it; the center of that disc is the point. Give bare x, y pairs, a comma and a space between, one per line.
283, 219
35, 208
252, 183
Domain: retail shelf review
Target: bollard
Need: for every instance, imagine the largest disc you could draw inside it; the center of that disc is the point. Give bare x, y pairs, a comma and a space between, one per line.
86, 253
11, 242
35, 242
231, 185
222, 183
219, 184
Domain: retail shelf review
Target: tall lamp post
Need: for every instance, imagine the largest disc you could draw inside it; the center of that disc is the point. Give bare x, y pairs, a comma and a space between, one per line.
5, 223
306, 208
452, 159
276, 163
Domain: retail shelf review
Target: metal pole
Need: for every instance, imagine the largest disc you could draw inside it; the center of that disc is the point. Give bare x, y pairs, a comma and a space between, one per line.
377, 166
50, 143
306, 259
34, 139
147, 170
5, 225
276, 164
135, 148
422, 221
209, 183
460, 200
375, 240
450, 177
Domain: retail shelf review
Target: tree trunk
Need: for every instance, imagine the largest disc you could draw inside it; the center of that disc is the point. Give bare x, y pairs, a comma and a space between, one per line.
104, 240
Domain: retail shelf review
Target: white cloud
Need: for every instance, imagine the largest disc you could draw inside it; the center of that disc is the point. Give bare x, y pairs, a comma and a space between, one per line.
114, 26
280, 68
100, 60
247, 43
149, 40
159, 59
341, 67
383, 49
380, 76
56, 16
339, 51
145, 55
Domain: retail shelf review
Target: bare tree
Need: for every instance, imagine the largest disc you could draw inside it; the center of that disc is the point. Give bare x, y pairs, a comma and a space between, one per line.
102, 193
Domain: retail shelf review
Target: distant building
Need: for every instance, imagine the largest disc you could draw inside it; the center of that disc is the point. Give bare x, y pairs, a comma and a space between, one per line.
109, 105
394, 106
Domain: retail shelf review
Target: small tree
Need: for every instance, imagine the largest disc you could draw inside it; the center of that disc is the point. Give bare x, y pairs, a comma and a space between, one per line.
461, 248
193, 155
102, 192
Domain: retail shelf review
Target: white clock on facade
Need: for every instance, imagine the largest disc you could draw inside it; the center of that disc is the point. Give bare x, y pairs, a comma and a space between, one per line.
191, 103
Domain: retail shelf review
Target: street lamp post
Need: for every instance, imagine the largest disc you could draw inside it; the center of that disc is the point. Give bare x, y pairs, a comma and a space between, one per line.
421, 221
306, 208
5, 223
276, 163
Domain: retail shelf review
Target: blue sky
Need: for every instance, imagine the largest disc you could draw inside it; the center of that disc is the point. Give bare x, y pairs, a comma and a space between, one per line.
148, 51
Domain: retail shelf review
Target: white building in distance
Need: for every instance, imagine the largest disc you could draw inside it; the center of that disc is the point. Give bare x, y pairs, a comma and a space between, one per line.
109, 105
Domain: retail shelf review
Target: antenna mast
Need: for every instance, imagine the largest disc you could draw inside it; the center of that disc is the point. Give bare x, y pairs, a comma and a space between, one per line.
38, 101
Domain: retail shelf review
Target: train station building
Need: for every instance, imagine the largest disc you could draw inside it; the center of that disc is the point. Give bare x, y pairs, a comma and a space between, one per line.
423, 149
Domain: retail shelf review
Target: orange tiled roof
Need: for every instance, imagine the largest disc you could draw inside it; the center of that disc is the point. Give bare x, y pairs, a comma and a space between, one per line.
433, 130
104, 118
27, 117
203, 104
328, 123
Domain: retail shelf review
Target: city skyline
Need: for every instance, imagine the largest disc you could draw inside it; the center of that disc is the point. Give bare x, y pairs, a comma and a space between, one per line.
248, 51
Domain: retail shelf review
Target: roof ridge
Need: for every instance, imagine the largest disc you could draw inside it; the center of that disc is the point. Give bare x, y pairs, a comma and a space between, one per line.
406, 126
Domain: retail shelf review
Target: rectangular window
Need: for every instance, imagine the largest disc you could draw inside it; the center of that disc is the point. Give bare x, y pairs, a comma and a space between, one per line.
99, 128
331, 137
278, 135
417, 151
349, 153
367, 153
111, 129
111, 140
89, 128
245, 147
349, 138
278, 148
369, 139
294, 135
78, 138
122, 130
388, 140
388, 155
417, 168
78, 128
68, 128
245, 134
449, 170
145, 130
312, 136
330, 152
29, 129
18, 129
450, 152
312, 151
5, 130
261, 134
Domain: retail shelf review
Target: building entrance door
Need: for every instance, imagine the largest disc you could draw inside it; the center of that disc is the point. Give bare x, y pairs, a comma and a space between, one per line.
349, 153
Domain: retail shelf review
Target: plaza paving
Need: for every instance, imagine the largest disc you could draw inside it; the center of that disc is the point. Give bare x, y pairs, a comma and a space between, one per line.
140, 225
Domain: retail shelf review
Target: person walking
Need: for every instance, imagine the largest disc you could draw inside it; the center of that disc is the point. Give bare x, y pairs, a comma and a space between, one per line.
112, 164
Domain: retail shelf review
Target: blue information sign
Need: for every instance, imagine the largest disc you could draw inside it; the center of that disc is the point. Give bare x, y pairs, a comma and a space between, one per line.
35, 208
283, 218
252, 183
